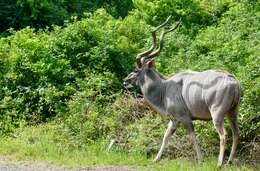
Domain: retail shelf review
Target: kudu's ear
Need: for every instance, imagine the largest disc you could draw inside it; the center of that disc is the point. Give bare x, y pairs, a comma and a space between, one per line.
150, 63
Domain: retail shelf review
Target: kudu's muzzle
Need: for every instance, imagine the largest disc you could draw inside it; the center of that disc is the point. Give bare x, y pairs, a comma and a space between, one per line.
127, 85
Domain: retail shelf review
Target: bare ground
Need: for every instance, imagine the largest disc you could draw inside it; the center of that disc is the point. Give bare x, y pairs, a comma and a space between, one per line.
8, 164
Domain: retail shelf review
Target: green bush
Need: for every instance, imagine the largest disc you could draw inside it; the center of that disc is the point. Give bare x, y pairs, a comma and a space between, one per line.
44, 70
18, 14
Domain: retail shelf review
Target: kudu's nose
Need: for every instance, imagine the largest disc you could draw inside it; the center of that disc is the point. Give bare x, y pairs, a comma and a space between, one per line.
125, 83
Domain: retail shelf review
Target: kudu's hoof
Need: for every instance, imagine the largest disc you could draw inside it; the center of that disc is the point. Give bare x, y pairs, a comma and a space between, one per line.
229, 162
156, 160
233, 161
219, 166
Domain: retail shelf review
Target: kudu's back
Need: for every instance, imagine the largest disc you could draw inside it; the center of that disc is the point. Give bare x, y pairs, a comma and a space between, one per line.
206, 92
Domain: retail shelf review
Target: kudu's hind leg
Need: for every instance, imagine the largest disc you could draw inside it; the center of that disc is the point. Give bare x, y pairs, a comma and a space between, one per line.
172, 125
218, 122
232, 116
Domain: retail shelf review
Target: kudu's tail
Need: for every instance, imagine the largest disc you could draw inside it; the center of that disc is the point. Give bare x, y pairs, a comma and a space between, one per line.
237, 95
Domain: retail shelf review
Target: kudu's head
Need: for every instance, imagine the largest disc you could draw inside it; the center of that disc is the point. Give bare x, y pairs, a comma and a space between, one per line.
145, 60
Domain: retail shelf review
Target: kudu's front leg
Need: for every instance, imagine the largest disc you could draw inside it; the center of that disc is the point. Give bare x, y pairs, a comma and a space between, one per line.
172, 125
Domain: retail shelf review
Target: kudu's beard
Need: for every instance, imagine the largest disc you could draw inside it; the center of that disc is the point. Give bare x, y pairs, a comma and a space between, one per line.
132, 87
128, 86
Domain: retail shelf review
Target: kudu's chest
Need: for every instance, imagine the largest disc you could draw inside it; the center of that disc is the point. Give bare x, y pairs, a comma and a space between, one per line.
166, 98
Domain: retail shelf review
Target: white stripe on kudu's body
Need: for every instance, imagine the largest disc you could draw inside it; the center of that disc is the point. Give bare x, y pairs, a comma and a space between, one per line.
189, 95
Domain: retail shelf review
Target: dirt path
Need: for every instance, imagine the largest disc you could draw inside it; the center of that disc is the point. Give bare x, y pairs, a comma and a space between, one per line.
6, 164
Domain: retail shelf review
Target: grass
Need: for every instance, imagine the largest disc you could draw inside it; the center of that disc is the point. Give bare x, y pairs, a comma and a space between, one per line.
39, 144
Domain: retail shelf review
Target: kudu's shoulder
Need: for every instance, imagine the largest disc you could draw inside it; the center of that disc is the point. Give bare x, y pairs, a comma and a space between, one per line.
181, 75
178, 78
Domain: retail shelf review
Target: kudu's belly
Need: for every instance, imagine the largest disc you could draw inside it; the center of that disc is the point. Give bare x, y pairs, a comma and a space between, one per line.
194, 97
198, 108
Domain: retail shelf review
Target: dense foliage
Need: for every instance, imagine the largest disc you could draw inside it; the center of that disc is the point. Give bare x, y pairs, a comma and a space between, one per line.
72, 73
41, 13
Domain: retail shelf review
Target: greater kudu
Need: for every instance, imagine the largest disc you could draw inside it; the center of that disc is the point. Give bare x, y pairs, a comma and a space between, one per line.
187, 96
